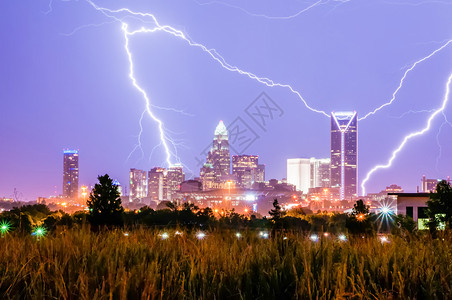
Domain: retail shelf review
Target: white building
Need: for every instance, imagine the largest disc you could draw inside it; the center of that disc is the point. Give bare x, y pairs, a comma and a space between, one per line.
299, 173
306, 173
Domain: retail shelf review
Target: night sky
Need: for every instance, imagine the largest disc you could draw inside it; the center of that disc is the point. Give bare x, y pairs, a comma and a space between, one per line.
64, 84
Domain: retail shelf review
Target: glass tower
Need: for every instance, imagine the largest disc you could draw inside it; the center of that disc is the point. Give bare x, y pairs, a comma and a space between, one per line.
70, 174
344, 153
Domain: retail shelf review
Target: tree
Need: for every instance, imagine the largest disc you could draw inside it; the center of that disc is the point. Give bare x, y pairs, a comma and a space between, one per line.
276, 213
105, 204
439, 206
358, 222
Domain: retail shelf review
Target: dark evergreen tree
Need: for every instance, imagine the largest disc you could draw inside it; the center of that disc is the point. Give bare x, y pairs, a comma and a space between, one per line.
276, 213
104, 204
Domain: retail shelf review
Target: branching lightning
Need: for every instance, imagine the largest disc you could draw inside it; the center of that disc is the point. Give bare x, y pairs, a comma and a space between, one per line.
165, 141
438, 111
403, 80
446, 122
163, 135
320, 2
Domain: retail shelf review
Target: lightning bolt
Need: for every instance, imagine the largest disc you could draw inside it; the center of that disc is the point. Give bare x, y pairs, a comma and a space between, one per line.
446, 122
393, 98
165, 140
211, 52
163, 136
410, 136
320, 2
414, 112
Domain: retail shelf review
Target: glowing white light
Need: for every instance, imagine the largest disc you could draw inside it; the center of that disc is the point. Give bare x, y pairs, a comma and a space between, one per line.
384, 239
200, 235
238, 235
285, 238
164, 235
178, 232
126, 234
263, 234
342, 237
385, 210
250, 197
314, 237
409, 137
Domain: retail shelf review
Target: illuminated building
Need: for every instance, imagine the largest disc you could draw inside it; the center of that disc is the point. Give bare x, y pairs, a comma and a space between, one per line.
320, 172
306, 173
260, 176
413, 205
174, 177
118, 185
246, 169
137, 184
218, 158
299, 173
344, 153
157, 188
207, 177
162, 183
429, 185
70, 174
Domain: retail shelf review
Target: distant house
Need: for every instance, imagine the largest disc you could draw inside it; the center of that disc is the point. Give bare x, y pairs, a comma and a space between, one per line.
413, 205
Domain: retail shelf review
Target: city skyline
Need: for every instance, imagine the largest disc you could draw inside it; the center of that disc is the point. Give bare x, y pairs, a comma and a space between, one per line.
42, 90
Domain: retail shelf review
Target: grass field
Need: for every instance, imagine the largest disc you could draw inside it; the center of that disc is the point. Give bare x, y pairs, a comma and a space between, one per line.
78, 264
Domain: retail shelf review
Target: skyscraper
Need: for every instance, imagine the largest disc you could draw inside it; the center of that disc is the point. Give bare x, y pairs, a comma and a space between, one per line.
70, 174
344, 153
245, 168
320, 172
174, 177
137, 184
218, 162
157, 187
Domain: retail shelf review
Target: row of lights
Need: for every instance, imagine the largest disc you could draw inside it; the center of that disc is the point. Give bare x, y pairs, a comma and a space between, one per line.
200, 235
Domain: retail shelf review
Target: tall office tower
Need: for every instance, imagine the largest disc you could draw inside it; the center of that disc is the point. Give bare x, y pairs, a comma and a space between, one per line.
137, 184
344, 153
299, 173
70, 174
207, 177
157, 184
245, 168
174, 177
218, 155
320, 172
260, 176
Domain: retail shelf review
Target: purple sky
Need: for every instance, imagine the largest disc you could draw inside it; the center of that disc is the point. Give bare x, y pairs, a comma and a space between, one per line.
60, 90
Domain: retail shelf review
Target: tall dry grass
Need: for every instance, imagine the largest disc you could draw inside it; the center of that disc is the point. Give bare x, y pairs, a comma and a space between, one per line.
78, 264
